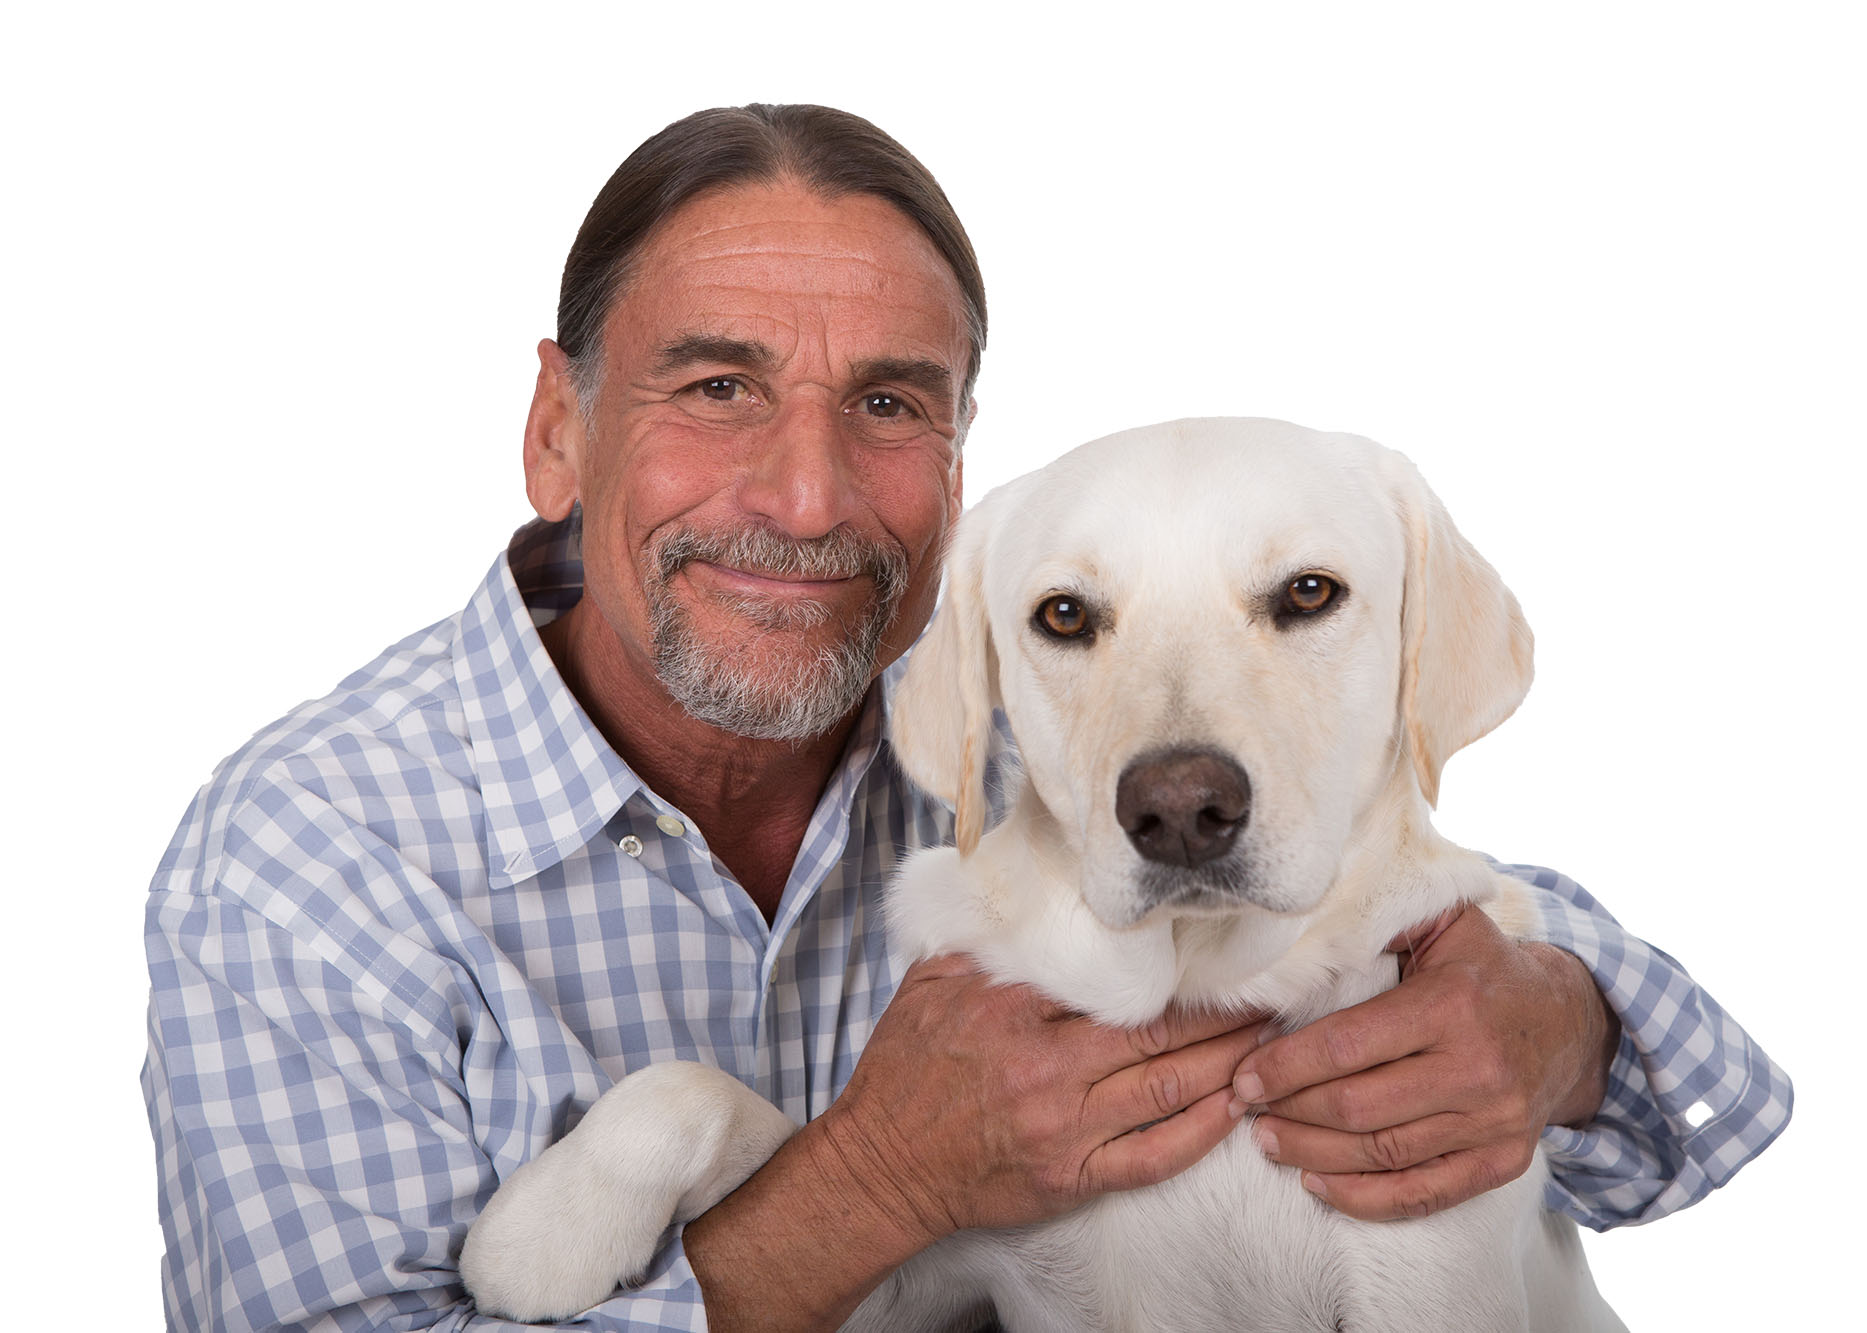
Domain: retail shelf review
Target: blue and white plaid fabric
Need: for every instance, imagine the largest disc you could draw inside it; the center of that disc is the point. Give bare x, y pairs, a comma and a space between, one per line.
1691, 1097
410, 932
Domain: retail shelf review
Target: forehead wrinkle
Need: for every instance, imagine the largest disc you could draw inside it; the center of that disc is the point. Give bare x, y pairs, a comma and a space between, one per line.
933, 375
741, 294
873, 261
869, 273
792, 244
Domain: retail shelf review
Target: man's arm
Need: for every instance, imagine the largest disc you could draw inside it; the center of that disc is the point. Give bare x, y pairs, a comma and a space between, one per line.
321, 1135
1644, 1093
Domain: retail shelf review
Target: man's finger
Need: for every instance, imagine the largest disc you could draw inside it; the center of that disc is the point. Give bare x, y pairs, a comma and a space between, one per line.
1393, 1148
1108, 1049
1136, 1094
1431, 1187
1391, 1026
1150, 1155
1417, 939
1411, 1088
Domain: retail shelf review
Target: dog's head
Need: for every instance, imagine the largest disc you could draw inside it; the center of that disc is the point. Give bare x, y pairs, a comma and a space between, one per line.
1217, 641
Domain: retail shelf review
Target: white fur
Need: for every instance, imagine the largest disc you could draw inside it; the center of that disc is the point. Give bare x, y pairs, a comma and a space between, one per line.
662, 1146
1179, 537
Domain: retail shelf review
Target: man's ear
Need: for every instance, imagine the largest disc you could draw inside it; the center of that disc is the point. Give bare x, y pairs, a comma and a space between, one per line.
941, 722
554, 436
1466, 648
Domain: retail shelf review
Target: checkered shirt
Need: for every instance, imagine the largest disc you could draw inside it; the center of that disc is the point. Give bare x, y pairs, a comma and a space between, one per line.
407, 934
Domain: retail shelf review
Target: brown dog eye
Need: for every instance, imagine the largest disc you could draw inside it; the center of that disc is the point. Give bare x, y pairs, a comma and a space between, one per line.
1062, 617
1309, 593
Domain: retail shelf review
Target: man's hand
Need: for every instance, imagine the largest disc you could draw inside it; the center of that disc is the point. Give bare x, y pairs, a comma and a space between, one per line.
1437, 1090
973, 1105
980, 1105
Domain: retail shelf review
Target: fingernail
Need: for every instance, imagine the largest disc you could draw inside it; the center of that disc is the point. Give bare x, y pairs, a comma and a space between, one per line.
1267, 1139
1315, 1185
1236, 1109
1249, 1087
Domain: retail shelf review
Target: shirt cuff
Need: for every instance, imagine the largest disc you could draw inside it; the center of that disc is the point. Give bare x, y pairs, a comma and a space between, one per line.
1690, 1096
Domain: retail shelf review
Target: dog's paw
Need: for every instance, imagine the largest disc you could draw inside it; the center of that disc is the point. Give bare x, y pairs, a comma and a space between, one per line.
662, 1146
546, 1245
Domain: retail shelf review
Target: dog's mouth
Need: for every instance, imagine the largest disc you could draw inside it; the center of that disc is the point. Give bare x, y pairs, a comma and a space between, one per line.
1210, 889
1220, 888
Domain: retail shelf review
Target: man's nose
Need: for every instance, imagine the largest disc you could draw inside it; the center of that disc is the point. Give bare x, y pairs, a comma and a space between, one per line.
800, 478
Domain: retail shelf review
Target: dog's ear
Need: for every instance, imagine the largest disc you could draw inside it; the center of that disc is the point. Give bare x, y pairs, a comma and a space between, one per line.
941, 721
1465, 645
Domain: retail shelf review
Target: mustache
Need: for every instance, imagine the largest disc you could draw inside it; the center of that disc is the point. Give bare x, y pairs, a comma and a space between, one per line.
838, 554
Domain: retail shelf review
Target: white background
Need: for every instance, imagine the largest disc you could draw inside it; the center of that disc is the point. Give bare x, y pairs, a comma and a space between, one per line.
272, 284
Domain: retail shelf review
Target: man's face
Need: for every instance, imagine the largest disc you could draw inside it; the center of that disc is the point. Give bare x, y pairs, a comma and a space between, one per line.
770, 465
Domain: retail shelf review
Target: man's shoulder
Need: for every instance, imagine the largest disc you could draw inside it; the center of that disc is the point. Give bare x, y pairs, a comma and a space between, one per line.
387, 745
409, 696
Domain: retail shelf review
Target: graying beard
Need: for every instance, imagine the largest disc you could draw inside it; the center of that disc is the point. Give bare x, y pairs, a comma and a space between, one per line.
711, 684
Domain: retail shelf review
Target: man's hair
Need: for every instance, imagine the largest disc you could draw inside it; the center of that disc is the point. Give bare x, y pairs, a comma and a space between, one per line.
831, 152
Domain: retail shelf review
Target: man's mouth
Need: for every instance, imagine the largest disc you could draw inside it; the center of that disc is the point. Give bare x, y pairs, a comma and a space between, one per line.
756, 566
770, 582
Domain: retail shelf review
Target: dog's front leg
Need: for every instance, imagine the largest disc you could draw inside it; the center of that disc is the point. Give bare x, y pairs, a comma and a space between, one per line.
664, 1145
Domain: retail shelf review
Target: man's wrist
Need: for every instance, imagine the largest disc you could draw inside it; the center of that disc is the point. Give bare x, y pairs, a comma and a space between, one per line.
865, 1166
1598, 1035
810, 1234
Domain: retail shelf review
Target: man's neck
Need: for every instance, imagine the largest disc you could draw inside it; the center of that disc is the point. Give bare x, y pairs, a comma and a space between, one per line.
752, 799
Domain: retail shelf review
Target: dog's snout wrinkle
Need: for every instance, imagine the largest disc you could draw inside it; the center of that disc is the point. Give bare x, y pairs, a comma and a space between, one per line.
1183, 807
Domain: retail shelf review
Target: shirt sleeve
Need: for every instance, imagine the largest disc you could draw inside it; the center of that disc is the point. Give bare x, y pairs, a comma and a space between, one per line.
1691, 1098
319, 1156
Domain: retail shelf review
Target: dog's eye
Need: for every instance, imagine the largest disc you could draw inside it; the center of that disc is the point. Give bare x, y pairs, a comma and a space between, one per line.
1062, 616
1309, 593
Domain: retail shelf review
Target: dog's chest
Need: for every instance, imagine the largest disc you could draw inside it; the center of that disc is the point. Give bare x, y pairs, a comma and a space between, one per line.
1236, 1243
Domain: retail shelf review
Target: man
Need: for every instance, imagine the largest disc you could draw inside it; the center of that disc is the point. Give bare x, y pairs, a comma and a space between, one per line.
634, 803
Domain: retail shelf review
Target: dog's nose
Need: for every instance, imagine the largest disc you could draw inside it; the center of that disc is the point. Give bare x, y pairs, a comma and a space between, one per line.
1182, 807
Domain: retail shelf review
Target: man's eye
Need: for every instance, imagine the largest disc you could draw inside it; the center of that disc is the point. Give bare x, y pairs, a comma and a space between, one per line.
725, 389
885, 405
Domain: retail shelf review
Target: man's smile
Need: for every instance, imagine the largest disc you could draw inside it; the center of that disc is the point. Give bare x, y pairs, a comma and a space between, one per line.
768, 582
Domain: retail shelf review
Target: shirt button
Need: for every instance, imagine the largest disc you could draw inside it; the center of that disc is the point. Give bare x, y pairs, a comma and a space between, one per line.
630, 845
671, 826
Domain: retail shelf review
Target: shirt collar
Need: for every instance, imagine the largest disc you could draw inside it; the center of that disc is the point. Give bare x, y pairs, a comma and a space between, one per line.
549, 779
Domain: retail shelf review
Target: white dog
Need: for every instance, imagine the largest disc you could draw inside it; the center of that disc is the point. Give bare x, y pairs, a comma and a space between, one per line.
1235, 655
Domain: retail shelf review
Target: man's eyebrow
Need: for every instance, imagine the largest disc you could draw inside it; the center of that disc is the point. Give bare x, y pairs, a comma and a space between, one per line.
930, 377
695, 349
